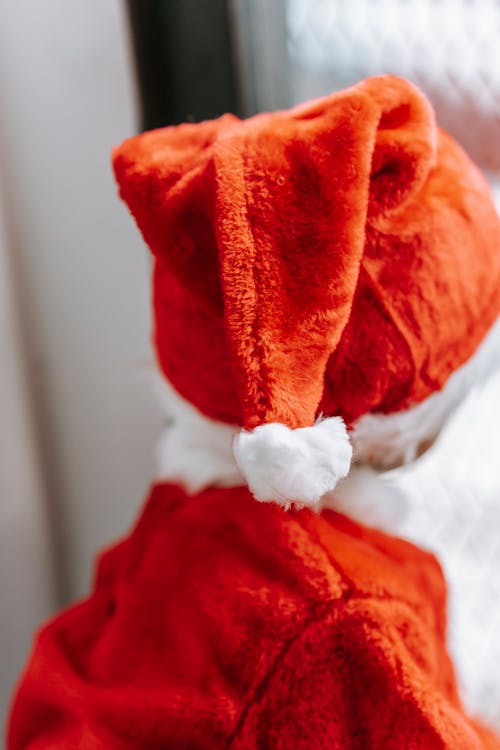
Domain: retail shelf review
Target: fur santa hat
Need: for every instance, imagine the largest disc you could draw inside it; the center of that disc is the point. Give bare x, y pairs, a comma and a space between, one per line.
323, 277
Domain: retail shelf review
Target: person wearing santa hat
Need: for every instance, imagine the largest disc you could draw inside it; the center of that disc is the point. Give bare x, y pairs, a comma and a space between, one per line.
326, 287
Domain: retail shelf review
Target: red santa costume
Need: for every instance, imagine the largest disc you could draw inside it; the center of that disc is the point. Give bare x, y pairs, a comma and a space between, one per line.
326, 284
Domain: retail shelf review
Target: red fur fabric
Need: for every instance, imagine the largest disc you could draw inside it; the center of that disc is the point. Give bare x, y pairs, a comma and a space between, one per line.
342, 257
348, 237
226, 623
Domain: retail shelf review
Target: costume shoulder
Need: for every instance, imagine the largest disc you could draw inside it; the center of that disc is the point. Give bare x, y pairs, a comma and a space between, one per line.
233, 621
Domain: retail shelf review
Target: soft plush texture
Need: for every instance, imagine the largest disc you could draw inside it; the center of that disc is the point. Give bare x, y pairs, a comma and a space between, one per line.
195, 450
335, 261
280, 464
339, 258
225, 623
390, 440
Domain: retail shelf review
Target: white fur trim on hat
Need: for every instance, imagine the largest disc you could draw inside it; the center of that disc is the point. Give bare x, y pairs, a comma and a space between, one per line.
193, 449
293, 466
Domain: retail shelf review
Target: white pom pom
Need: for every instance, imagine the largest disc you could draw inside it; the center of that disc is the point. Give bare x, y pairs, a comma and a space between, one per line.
293, 466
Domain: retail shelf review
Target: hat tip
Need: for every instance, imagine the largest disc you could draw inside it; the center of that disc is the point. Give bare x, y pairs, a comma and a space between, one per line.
294, 466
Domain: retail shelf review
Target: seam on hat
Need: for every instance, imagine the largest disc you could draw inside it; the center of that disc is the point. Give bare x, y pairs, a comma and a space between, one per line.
398, 323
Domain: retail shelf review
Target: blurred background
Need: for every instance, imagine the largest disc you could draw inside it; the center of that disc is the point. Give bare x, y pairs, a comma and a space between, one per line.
78, 421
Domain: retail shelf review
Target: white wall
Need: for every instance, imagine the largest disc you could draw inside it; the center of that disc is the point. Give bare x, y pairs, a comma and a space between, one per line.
27, 580
80, 279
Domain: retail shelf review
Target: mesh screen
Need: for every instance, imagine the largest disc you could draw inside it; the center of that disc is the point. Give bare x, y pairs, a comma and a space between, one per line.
450, 48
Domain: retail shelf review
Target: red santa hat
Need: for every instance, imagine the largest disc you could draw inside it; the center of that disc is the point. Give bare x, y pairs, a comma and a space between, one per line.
315, 269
